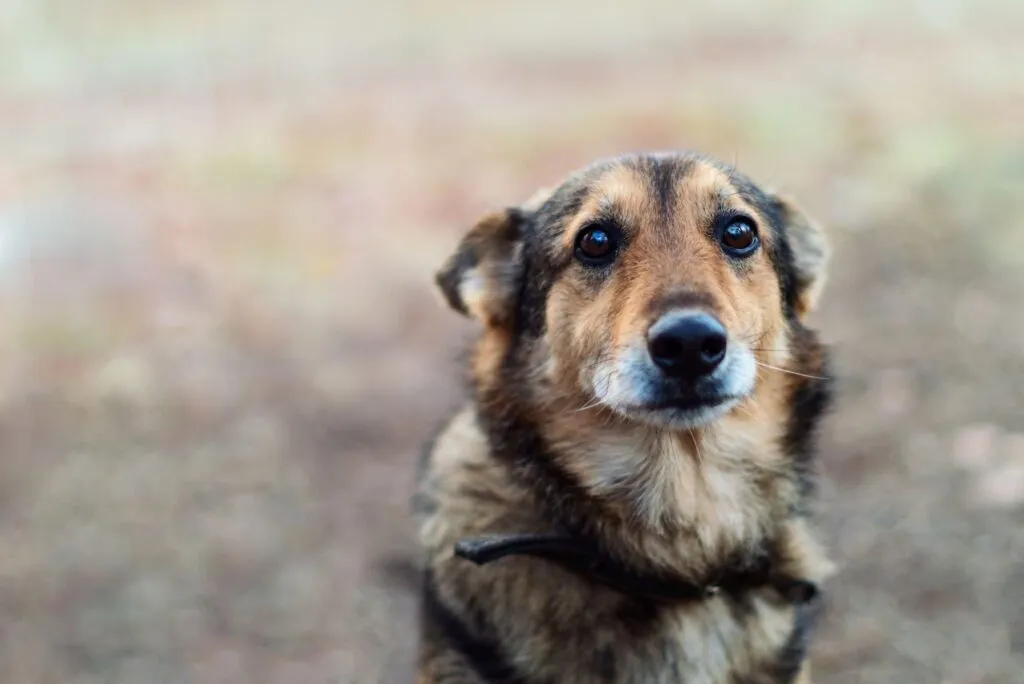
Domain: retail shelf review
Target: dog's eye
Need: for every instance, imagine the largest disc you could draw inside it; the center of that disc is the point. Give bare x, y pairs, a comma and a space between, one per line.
739, 237
596, 245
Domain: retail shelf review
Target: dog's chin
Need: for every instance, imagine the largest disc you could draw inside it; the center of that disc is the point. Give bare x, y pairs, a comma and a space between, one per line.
680, 415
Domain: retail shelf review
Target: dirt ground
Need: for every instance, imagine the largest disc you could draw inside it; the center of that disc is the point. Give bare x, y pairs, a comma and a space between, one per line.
220, 348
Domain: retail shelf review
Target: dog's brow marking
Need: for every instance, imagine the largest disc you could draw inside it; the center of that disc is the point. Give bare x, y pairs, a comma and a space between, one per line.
663, 179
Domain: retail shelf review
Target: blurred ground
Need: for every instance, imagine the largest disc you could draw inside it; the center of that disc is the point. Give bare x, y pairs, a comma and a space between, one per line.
220, 350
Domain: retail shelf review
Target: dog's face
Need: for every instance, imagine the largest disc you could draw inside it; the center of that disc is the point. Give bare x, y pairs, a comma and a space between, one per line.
652, 285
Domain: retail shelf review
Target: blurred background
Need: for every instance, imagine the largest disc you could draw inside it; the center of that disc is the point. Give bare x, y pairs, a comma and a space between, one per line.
219, 222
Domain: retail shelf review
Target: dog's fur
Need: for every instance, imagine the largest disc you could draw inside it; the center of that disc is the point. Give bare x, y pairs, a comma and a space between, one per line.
553, 439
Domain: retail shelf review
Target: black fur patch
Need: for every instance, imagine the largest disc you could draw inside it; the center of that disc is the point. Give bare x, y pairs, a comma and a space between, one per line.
479, 649
794, 653
605, 665
810, 399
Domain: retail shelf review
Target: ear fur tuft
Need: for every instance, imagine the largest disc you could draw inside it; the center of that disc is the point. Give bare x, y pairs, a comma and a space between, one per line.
811, 253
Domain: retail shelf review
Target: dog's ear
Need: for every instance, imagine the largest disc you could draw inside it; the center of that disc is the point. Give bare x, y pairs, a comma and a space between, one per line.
811, 253
481, 278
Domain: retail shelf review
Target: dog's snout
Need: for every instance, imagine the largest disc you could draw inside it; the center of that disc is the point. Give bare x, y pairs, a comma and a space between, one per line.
687, 345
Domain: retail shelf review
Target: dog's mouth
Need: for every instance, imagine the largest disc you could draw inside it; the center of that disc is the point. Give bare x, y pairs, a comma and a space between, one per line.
638, 391
687, 411
689, 403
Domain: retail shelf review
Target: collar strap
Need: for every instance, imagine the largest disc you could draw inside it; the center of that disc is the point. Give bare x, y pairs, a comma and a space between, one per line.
584, 559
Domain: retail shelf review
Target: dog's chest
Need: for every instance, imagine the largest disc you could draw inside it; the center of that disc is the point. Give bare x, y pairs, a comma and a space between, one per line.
751, 640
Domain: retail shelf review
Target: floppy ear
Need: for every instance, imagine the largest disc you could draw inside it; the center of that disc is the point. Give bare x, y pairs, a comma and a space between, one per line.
481, 278
811, 254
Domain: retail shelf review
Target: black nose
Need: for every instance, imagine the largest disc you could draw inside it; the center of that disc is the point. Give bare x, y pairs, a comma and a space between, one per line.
687, 345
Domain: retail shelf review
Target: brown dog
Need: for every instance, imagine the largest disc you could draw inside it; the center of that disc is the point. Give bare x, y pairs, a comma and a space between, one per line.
625, 498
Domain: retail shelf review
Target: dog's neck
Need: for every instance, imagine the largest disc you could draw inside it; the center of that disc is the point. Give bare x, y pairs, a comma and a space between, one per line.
695, 498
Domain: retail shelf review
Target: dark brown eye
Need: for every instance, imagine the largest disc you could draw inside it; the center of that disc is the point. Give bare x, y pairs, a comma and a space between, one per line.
596, 245
739, 238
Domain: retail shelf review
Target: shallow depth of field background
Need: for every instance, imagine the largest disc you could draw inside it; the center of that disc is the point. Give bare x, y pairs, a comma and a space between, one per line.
220, 350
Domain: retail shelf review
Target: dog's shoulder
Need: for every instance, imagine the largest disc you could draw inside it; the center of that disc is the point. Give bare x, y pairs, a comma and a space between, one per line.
464, 491
456, 471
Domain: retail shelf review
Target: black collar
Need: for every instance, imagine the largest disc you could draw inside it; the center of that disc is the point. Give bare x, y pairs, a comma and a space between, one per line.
585, 559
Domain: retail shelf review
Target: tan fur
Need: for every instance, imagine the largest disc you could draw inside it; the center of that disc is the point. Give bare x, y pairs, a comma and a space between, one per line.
677, 501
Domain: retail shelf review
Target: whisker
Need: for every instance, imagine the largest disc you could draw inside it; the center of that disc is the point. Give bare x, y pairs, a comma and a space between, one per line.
744, 410
693, 438
791, 372
770, 180
596, 402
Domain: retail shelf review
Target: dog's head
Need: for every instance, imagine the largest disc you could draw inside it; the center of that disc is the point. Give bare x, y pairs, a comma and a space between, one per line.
651, 285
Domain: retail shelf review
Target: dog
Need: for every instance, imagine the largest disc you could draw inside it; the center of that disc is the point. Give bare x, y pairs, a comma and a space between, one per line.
626, 496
